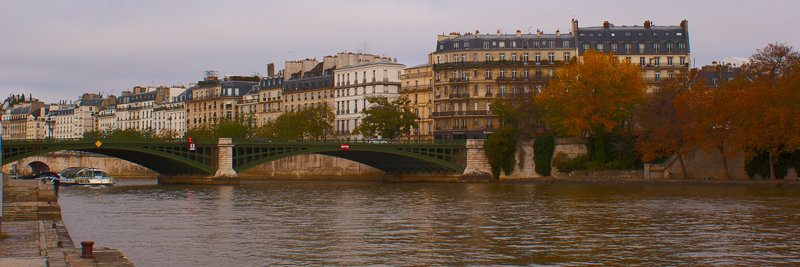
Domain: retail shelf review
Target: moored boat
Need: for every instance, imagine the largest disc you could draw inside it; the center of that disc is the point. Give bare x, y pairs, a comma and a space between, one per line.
85, 176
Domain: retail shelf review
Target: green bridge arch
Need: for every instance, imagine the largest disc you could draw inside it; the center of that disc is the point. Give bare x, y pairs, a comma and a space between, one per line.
162, 156
173, 157
394, 158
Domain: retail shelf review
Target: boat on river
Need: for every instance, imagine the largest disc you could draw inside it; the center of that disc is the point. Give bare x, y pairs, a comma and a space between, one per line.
85, 176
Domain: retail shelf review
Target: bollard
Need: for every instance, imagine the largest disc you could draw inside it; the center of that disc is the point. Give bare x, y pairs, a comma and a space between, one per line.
86, 249
54, 225
59, 244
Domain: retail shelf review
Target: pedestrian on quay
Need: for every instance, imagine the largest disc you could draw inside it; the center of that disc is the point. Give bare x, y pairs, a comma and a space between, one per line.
56, 184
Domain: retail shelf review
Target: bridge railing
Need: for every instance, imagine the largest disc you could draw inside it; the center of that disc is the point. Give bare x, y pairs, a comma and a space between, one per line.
235, 140
353, 141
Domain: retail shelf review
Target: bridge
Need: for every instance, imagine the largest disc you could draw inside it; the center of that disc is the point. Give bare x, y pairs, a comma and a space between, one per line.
223, 158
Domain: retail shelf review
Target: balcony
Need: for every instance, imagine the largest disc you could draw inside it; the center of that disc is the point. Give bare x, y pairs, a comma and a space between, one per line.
456, 96
518, 79
498, 63
459, 80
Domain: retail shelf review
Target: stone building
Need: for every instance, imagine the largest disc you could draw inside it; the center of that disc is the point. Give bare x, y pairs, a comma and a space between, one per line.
472, 70
213, 100
270, 90
66, 121
661, 51
24, 121
356, 82
417, 87
169, 113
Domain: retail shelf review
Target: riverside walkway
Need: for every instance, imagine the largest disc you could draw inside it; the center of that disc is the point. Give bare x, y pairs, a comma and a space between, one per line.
32, 233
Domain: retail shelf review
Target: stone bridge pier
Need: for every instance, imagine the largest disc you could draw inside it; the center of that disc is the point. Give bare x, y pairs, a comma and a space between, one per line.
477, 163
225, 173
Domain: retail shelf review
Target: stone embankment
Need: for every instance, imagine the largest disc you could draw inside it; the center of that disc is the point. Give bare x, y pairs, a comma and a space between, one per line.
33, 234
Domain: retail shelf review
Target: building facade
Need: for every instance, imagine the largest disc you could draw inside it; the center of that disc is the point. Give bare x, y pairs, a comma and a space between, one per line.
660, 51
354, 84
472, 70
212, 100
417, 87
270, 92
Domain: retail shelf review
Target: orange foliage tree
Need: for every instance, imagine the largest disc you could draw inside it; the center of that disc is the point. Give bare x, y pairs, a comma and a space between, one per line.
662, 121
768, 103
593, 96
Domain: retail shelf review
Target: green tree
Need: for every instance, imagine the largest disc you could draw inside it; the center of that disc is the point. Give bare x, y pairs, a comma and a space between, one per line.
314, 122
500, 147
543, 147
389, 119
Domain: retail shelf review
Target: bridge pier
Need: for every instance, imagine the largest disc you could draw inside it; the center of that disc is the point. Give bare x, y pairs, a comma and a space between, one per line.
477, 163
225, 173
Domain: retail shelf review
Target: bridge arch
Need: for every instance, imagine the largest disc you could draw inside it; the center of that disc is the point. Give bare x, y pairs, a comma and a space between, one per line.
390, 158
39, 167
161, 157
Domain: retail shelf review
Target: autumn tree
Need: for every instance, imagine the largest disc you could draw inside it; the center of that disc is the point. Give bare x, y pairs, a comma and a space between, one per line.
770, 93
662, 121
593, 97
386, 118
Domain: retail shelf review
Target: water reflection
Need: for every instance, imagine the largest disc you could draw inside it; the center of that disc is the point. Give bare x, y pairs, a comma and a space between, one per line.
363, 223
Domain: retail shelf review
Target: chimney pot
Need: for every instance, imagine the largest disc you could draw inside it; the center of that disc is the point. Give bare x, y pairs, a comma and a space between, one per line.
605, 24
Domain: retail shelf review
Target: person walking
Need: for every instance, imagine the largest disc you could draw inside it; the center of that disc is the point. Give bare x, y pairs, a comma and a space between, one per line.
56, 184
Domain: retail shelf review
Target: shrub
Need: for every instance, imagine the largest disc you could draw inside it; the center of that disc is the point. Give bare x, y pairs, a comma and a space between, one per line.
543, 148
500, 148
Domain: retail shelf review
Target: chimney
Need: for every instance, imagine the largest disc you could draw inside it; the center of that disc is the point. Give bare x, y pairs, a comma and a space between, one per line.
519, 33
477, 34
558, 33
538, 32
498, 32
684, 25
647, 24
575, 26
605, 24
271, 69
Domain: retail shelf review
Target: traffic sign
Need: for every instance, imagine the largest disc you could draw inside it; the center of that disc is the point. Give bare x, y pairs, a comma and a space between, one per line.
345, 147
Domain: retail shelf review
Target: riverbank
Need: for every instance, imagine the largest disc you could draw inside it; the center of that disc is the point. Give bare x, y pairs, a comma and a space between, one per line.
33, 233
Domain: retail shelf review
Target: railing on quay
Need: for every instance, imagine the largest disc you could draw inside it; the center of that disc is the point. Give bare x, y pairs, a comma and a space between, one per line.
236, 140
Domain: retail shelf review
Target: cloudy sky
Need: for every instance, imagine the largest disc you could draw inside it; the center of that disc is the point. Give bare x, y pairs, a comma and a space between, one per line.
57, 50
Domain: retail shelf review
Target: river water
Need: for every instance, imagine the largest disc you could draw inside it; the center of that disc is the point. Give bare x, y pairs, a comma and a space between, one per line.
364, 223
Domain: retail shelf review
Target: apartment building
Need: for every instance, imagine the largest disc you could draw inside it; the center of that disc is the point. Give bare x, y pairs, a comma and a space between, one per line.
472, 70
23, 121
213, 100
356, 82
661, 51
270, 90
417, 87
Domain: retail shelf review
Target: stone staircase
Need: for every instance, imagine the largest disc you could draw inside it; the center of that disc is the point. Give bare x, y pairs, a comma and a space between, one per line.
25, 212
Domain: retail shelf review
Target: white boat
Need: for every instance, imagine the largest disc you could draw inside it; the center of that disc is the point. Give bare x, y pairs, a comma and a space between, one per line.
85, 176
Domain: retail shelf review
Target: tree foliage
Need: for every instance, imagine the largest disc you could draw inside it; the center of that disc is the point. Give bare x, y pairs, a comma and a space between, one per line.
599, 93
388, 119
662, 129
500, 148
543, 147
314, 122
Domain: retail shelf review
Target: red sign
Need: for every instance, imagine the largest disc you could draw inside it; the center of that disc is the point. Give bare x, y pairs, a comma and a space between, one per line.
345, 147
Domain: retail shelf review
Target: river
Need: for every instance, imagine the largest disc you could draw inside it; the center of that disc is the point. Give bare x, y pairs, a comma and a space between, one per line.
365, 223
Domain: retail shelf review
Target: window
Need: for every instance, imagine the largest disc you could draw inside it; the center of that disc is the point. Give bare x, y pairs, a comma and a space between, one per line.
514, 73
668, 46
658, 77
513, 56
463, 57
474, 56
681, 47
683, 61
525, 57
551, 57
566, 56
455, 45
502, 56
655, 47
485, 45
627, 47
466, 44
526, 73
669, 61
585, 46
513, 44
455, 59
599, 47
565, 44
488, 74
502, 44
475, 74
614, 47
538, 57
488, 57
641, 47
641, 61
657, 61
502, 73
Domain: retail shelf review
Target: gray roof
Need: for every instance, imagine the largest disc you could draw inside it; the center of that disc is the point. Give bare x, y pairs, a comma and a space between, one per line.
634, 35
90, 102
525, 41
370, 63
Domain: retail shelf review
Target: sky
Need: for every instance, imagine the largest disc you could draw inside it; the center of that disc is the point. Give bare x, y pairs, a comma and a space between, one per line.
58, 50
